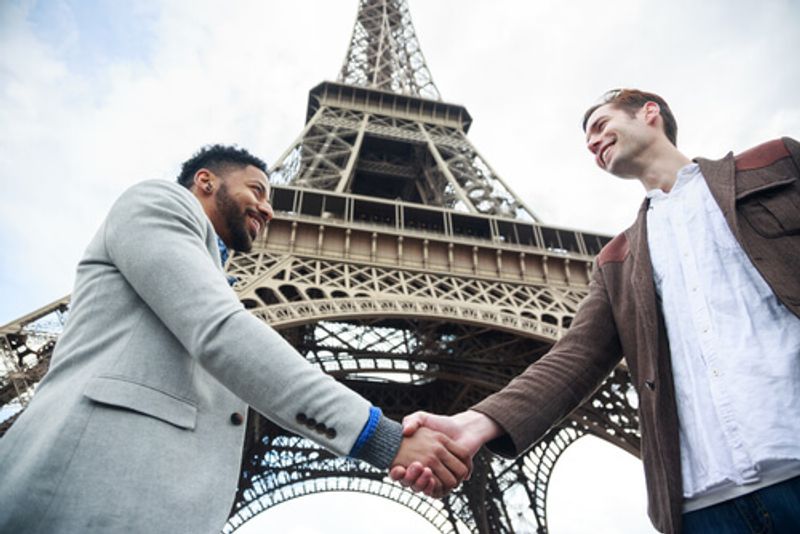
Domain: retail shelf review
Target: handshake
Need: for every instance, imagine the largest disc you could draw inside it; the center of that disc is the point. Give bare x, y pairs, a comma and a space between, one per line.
436, 453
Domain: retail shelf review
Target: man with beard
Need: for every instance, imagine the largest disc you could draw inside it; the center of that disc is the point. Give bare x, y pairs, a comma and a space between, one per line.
702, 298
138, 426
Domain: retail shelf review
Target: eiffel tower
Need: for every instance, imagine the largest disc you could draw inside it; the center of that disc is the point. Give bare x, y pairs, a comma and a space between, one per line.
401, 263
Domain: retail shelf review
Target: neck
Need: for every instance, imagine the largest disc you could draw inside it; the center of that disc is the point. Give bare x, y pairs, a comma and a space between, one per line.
661, 171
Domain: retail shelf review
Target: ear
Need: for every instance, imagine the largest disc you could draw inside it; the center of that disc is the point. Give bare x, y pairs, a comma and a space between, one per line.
205, 181
652, 112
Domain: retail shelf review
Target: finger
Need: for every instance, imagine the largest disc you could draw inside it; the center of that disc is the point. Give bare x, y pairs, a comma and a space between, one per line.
413, 472
462, 454
410, 427
469, 465
457, 449
411, 417
411, 423
455, 464
423, 480
397, 472
442, 472
433, 488
439, 490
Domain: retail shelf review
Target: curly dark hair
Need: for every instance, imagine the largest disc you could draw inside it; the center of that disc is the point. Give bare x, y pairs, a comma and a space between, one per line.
217, 159
632, 100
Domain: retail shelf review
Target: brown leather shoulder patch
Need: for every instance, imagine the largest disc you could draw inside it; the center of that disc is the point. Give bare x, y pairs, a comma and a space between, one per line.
615, 251
762, 155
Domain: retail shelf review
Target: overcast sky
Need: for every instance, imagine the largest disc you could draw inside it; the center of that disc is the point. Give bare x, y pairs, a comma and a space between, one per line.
96, 95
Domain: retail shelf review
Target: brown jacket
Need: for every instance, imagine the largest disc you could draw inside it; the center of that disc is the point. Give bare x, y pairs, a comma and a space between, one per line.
759, 194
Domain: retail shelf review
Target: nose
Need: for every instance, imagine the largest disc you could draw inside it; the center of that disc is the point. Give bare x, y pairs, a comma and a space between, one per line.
593, 143
265, 208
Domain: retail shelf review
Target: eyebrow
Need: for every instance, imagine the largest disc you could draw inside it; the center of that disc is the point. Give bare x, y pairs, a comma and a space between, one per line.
593, 126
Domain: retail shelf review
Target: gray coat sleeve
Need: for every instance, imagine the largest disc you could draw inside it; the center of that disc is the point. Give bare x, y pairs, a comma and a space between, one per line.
157, 235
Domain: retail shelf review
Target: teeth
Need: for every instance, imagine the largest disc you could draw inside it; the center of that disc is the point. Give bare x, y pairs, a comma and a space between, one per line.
604, 154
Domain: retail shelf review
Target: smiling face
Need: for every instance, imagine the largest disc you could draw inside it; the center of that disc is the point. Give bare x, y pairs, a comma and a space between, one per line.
242, 206
620, 141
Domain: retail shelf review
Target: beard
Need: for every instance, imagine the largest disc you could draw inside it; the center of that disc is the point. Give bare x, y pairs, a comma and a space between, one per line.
235, 221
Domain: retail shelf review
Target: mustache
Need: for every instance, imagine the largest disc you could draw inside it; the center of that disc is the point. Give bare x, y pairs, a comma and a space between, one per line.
258, 215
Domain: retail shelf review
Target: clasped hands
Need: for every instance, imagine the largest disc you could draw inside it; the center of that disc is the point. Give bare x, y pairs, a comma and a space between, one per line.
436, 453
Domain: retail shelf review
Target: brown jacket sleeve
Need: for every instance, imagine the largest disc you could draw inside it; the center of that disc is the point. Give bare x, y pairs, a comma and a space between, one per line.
551, 388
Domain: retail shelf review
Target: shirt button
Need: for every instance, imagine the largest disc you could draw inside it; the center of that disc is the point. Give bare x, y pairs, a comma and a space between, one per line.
715, 373
237, 418
330, 433
301, 418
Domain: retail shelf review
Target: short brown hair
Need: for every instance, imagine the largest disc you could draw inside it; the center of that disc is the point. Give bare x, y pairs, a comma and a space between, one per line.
632, 100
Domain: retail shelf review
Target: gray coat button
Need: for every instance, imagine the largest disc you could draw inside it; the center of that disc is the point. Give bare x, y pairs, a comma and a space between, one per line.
237, 418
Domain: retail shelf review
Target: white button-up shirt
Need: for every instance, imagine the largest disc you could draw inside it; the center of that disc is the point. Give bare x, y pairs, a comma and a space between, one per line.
735, 349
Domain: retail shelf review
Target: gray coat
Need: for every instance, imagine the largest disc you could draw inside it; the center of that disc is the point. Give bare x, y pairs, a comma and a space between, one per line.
133, 428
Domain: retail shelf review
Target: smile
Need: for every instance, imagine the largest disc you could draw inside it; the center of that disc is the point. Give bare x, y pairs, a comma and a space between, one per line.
255, 225
604, 153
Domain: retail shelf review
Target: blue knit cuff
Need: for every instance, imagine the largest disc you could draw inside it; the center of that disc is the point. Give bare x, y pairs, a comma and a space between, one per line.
379, 441
366, 433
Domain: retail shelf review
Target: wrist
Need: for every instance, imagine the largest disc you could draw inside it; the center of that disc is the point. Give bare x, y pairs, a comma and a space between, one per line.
379, 440
479, 427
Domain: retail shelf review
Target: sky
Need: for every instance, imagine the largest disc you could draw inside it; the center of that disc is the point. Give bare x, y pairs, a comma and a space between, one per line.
96, 95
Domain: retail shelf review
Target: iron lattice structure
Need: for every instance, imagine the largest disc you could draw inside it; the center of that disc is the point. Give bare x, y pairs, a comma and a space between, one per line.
402, 264
384, 52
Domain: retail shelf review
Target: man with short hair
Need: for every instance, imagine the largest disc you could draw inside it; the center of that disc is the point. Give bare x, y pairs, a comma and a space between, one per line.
702, 298
138, 426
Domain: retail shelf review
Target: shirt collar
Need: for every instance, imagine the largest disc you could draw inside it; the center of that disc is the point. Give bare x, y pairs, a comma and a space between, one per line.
223, 251
685, 174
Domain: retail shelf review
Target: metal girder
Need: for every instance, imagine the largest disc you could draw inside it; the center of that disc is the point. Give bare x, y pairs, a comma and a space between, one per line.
341, 142
384, 52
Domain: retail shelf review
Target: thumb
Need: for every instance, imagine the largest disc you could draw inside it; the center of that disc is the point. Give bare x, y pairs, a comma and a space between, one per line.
412, 423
